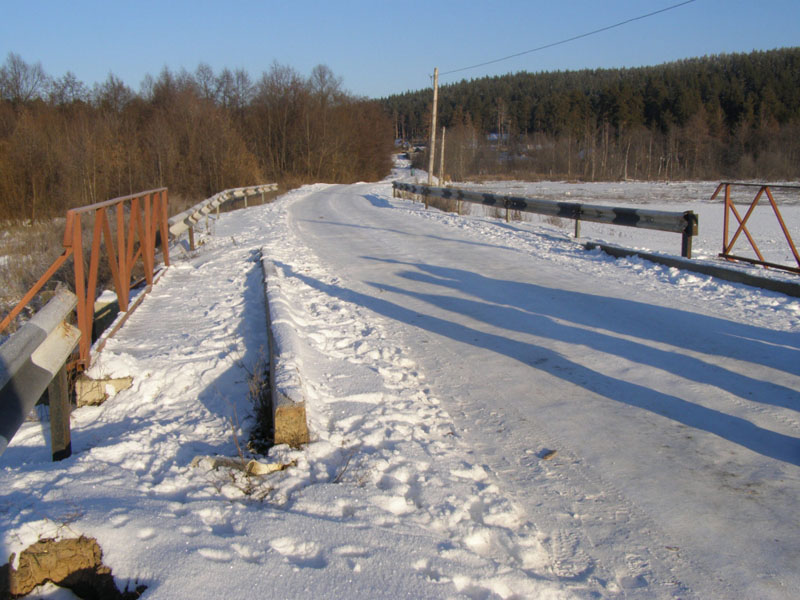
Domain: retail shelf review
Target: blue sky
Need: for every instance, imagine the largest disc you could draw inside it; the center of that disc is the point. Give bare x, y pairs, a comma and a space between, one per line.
377, 47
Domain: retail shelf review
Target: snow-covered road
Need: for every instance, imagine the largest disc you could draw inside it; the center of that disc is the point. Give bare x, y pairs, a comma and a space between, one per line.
675, 425
495, 413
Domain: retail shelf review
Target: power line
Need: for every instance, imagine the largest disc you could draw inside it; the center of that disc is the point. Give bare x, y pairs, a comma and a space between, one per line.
572, 39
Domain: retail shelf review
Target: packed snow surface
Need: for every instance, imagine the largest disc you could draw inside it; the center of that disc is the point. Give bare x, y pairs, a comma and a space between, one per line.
495, 413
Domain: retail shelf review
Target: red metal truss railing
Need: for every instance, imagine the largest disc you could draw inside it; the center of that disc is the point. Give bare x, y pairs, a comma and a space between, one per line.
139, 220
730, 209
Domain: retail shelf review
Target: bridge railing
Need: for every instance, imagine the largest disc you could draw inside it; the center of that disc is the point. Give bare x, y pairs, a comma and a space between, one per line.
729, 241
685, 223
126, 234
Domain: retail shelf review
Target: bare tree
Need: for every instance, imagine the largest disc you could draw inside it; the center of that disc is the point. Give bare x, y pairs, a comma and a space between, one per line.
225, 88
67, 89
242, 89
112, 94
206, 82
325, 86
21, 82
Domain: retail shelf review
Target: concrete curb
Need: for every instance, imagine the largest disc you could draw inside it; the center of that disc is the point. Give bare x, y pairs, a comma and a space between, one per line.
720, 272
286, 386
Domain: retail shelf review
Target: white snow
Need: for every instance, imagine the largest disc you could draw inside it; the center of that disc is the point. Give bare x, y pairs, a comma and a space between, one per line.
495, 413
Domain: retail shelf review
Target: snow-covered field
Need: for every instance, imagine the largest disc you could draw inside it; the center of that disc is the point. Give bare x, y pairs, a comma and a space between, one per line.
495, 413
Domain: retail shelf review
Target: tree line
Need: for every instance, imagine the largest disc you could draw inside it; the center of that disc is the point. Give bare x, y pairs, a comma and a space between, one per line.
64, 144
728, 116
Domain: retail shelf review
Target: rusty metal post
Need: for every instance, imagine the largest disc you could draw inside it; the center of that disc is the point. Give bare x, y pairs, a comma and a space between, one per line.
123, 295
60, 408
191, 238
84, 314
146, 245
133, 226
112, 258
94, 265
164, 226
726, 219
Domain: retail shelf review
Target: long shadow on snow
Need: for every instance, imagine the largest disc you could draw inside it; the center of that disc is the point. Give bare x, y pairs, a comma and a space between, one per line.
559, 304
427, 236
378, 201
514, 319
690, 331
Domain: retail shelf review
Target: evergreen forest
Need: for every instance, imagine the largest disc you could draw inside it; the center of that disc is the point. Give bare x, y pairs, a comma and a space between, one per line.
734, 116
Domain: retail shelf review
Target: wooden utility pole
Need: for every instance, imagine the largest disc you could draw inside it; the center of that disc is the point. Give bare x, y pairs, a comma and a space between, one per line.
441, 159
433, 126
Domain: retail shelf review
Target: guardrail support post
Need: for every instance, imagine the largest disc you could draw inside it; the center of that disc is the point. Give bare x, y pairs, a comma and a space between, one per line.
58, 393
191, 238
577, 227
688, 233
686, 245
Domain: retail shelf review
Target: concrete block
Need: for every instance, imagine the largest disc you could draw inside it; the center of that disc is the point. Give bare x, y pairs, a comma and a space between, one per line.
290, 421
92, 392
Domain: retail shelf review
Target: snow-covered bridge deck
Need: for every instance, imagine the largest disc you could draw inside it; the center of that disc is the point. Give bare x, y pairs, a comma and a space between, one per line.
495, 412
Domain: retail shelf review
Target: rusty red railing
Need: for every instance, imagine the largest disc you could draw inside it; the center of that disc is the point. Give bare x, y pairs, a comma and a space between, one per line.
730, 209
139, 220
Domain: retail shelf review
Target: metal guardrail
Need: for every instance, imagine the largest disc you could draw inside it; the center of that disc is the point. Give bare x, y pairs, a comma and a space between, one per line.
685, 223
730, 209
186, 220
31, 361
